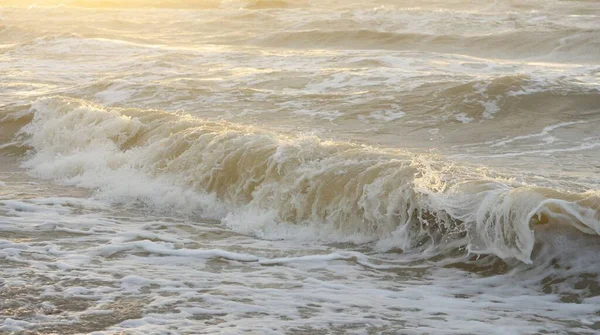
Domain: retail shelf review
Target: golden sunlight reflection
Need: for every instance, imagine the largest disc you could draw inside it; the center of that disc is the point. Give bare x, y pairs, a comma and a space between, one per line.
114, 3
299, 167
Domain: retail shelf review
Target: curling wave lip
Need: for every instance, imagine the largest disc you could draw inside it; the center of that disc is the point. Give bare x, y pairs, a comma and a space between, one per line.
243, 171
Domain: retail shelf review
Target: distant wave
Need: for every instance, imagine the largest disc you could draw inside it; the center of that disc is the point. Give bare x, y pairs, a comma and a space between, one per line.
254, 180
386, 29
264, 4
14, 34
566, 45
511, 95
184, 4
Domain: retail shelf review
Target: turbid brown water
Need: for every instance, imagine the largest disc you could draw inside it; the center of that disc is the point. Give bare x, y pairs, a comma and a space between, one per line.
301, 167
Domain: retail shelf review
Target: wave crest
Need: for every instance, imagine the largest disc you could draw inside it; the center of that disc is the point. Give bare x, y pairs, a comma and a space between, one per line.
257, 181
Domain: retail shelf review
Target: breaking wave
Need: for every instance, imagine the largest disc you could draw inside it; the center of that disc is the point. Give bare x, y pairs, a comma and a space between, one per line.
255, 181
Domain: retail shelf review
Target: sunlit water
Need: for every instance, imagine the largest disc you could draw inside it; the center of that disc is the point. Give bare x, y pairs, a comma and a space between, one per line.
301, 167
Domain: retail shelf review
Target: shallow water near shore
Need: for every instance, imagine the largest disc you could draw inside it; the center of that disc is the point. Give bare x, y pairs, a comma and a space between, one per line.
269, 167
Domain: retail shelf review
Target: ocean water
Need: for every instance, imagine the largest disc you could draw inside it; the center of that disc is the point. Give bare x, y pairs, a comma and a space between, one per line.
299, 167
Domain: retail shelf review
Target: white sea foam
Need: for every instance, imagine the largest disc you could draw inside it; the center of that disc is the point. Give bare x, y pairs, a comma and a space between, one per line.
339, 190
462, 117
309, 286
386, 115
544, 132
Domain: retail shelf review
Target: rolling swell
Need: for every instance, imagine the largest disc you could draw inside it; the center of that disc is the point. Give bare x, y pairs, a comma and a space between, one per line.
254, 180
567, 45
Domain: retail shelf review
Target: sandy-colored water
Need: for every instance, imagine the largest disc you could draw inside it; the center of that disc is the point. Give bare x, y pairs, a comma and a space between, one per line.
301, 167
